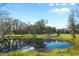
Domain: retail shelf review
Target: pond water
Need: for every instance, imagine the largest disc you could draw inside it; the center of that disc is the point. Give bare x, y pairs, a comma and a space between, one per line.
7, 45
27, 48
50, 45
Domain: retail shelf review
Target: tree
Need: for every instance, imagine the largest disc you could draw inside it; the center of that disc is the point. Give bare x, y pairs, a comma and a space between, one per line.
4, 22
58, 32
49, 30
29, 29
15, 26
77, 29
40, 26
3, 15
72, 23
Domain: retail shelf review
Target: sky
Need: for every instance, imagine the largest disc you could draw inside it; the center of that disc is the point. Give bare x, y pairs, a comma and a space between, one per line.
55, 13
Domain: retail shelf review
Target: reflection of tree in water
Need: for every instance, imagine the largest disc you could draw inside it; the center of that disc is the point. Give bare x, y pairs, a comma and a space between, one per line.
7, 45
39, 44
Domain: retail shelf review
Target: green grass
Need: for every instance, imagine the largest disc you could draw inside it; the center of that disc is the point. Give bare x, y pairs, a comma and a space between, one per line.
43, 36
18, 53
72, 51
25, 36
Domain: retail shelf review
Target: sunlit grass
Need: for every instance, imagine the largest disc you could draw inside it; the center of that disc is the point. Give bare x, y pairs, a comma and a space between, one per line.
66, 36
72, 51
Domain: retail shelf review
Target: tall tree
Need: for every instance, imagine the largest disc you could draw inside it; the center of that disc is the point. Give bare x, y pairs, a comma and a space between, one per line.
40, 26
72, 23
4, 22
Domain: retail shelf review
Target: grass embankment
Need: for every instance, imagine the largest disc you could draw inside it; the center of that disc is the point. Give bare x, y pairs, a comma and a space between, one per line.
71, 51
42, 36
68, 37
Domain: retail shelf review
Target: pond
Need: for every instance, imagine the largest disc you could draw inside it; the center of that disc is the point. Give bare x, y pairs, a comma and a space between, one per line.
50, 45
7, 45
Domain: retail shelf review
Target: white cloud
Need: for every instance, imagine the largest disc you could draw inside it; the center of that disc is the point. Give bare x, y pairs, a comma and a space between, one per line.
57, 4
72, 3
51, 4
60, 10
58, 26
38, 3
63, 4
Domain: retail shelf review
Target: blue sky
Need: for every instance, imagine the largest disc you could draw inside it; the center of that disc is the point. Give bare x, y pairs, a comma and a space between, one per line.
55, 13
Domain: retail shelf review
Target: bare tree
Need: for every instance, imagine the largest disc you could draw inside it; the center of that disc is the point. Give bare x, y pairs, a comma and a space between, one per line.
72, 25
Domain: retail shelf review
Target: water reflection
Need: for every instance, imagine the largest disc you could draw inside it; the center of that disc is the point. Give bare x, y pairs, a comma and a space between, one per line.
50, 45
7, 45
56, 44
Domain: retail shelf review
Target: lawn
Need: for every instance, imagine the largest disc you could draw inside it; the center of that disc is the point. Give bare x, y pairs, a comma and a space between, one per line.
43, 36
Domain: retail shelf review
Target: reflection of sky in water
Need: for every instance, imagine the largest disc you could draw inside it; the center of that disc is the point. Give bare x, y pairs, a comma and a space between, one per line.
57, 45
27, 48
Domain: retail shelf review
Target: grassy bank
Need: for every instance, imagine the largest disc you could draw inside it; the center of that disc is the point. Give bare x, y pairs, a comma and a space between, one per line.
71, 51
43, 36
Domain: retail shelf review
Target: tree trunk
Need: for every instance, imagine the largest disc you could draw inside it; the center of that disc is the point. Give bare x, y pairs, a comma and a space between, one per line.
74, 36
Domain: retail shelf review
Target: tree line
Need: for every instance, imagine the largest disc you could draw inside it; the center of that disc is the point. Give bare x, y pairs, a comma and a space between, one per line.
9, 25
